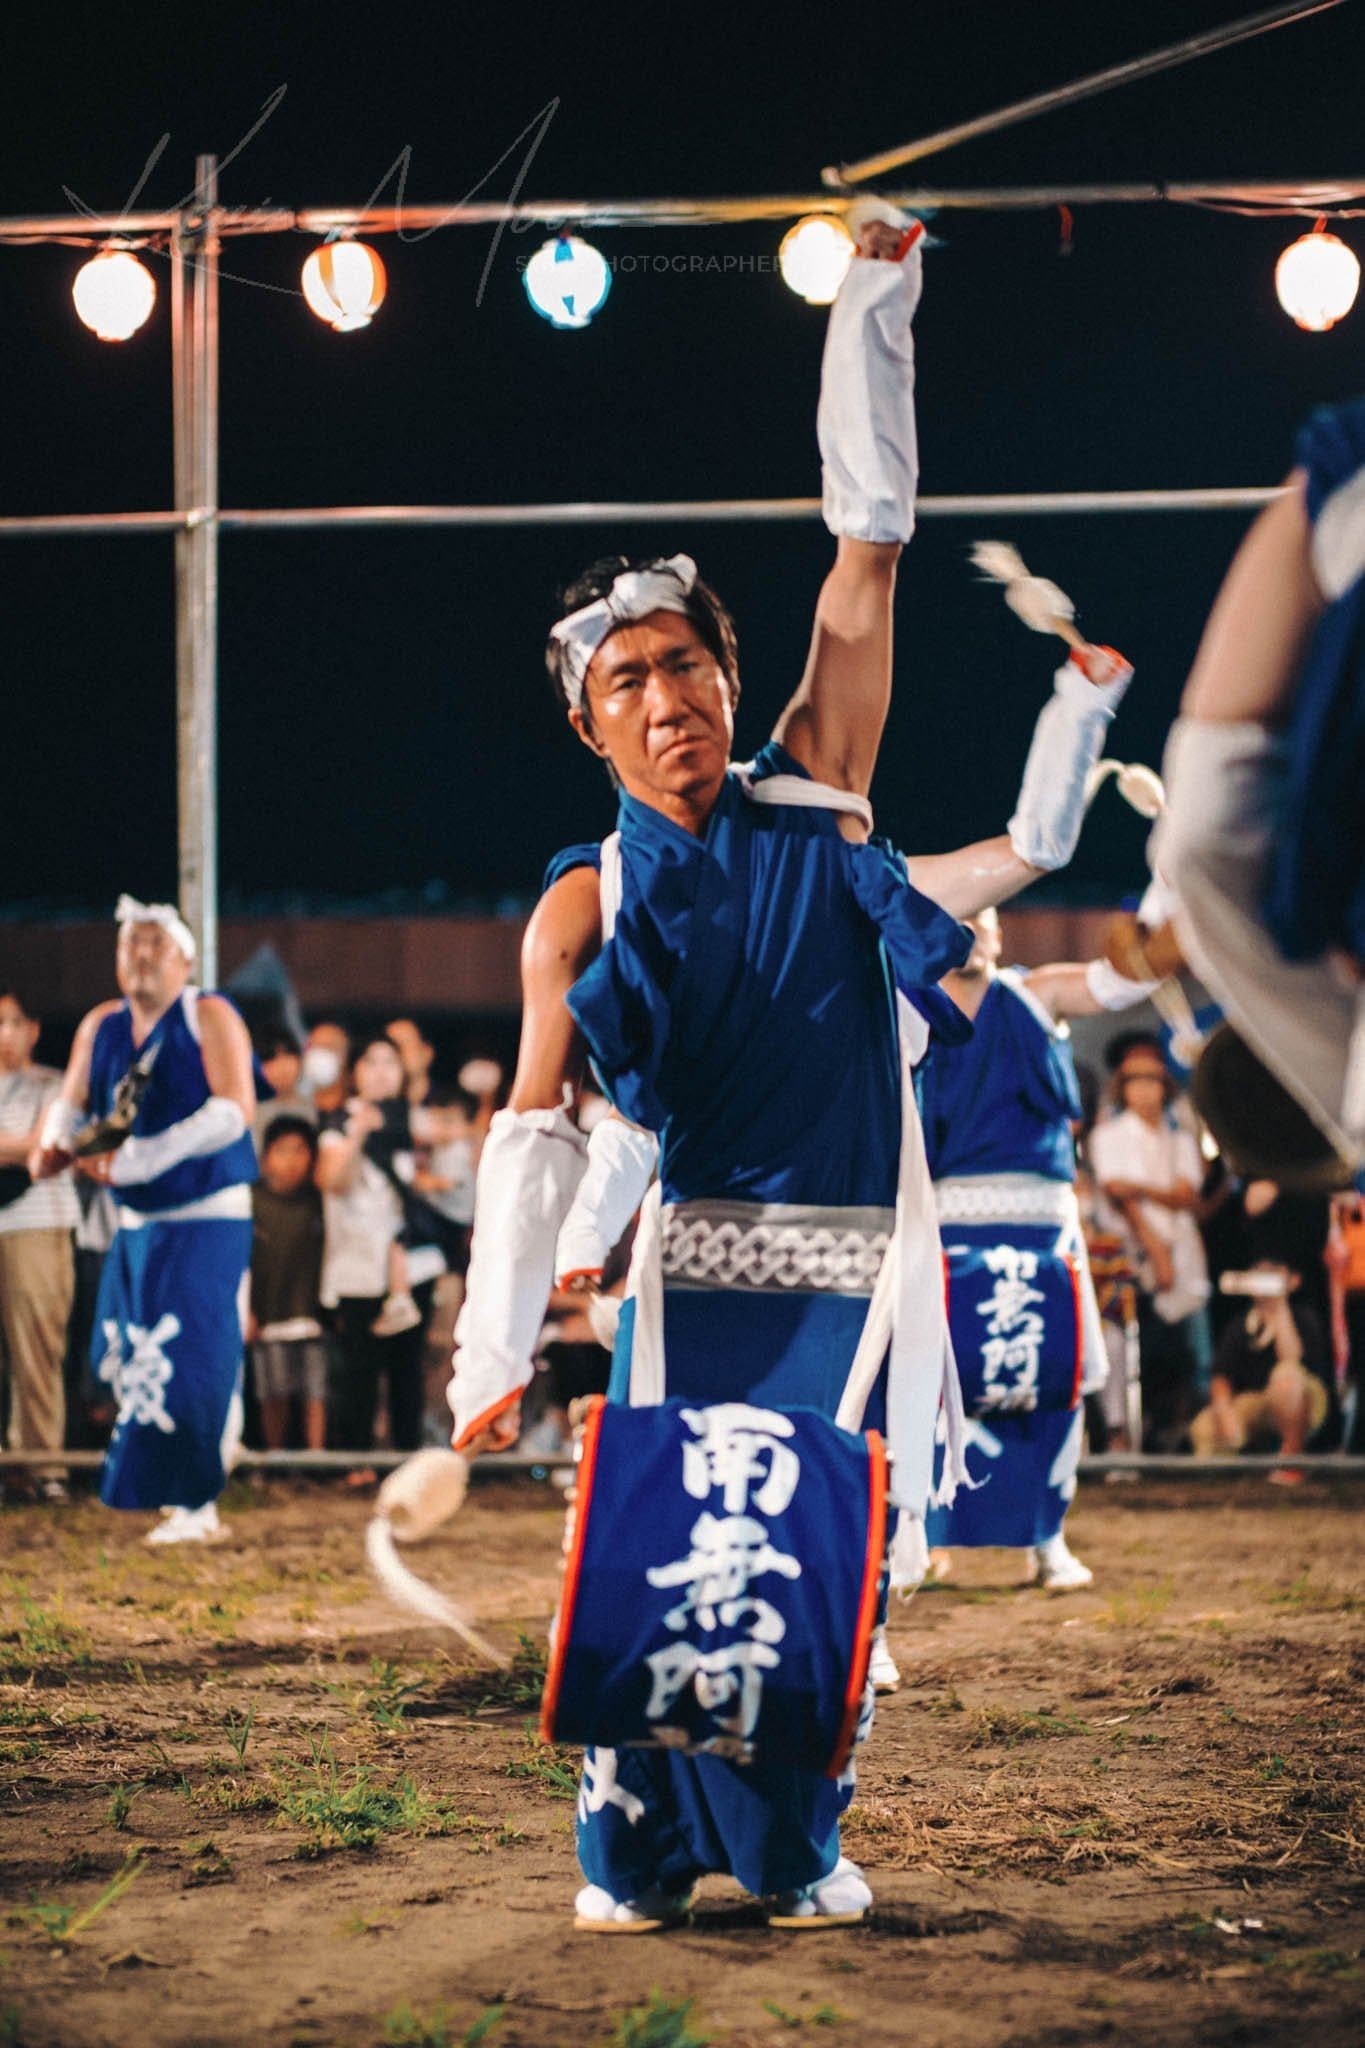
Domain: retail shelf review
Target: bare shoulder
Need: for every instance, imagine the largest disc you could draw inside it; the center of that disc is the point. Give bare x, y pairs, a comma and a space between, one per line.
91, 1021
218, 1015
565, 931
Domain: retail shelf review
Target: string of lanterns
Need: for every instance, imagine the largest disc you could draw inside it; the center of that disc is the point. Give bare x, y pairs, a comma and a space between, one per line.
568, 281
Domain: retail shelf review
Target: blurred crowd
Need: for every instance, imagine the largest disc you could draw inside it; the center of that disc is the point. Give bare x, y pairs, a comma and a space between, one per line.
1234, 1311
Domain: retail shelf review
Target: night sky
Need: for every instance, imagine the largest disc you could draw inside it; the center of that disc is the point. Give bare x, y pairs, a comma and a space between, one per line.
386, 724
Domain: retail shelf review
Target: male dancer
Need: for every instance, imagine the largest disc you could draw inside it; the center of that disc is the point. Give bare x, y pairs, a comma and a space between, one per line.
735, 974
998, 1114
168, 1323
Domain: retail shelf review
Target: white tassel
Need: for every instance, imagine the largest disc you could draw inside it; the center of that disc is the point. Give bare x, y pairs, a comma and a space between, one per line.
405, 1589
1040, 604
1139, 786
413, 1501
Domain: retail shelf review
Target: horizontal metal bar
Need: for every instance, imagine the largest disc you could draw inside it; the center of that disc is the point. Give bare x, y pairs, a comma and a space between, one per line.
616, 511
1320, 1465
1304, 194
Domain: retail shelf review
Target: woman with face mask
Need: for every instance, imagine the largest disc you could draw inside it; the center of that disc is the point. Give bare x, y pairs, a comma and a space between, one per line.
326, 1061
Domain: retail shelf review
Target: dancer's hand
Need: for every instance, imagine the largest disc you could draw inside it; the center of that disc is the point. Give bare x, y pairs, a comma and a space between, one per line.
1101, 665
45, 1161
500, 1435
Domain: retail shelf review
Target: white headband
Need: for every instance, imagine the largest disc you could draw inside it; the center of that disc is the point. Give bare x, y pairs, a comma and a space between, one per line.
129, 911
634, 595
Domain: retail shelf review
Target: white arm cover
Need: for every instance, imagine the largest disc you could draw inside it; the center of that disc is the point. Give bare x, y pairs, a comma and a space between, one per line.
1114, 991
218, 1122
1338, 542
1067, 741
866, 420
1159, 904
61, 1121
531, 1165
621, 1161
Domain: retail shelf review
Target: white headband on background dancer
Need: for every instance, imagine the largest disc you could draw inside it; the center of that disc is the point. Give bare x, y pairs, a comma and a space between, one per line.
129, 911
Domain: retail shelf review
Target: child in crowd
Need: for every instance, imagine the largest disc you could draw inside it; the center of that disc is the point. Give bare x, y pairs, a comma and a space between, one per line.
284, 1328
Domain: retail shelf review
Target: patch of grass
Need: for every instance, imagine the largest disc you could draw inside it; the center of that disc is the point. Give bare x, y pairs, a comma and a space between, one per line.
1000, 1725
547, 1767
353, 1809
20, 1752
657, 2024
61, 1924
121, 1803
823, 2015
25, 1717
404, 2028
210, 1866
1312, 1962
239, 1732
1139, 1608
11, 2028
44, 1636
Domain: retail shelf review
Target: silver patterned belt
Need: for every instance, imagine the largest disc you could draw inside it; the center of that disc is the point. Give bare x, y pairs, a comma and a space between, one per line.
783, 1247
1004, 1198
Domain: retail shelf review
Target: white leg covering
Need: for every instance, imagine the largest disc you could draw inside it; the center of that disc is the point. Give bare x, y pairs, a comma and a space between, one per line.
1214, 843
866, 420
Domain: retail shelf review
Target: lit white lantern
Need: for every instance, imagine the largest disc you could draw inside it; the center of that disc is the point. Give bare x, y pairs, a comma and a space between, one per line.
814, 257
567, 281
114, 294
344, 284
1316, 280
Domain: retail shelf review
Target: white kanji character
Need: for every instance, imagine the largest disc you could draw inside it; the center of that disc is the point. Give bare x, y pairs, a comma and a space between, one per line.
736, 1445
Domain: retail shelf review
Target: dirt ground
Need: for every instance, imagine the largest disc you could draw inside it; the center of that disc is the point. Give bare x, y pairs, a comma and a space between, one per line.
243, 1801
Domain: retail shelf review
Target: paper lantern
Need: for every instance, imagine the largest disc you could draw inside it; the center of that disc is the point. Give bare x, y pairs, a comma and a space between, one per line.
114, 294
567, 281
814, 257
344, 283
1316, 280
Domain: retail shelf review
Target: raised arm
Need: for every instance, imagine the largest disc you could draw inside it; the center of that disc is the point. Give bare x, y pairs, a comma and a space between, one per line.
1067, 741
530, 1167
866, 426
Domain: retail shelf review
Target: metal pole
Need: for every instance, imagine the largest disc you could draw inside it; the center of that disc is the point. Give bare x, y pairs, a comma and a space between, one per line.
620, 511
1082, 88
194, 331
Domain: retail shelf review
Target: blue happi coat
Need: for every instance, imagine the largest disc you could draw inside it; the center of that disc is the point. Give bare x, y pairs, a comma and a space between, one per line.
744, 1009
168, 1336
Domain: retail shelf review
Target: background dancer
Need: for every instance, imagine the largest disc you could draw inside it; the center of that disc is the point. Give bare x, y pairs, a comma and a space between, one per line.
732, 974
998, 1115
168, 1321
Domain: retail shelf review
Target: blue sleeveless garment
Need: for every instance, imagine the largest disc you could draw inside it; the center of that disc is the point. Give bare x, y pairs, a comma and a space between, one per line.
168, 1336
177, 1088
1315, 890
744, 1011
1004, 1103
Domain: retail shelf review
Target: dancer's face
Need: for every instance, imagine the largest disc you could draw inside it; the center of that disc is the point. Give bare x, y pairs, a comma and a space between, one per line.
151, 969
659, 708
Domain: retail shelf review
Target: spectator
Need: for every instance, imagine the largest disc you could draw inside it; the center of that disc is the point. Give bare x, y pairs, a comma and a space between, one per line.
417, 1056
37, 1275
362, 1157
1149, 1171
281, 1062
325, 1075
1269, 1388
284, 1327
